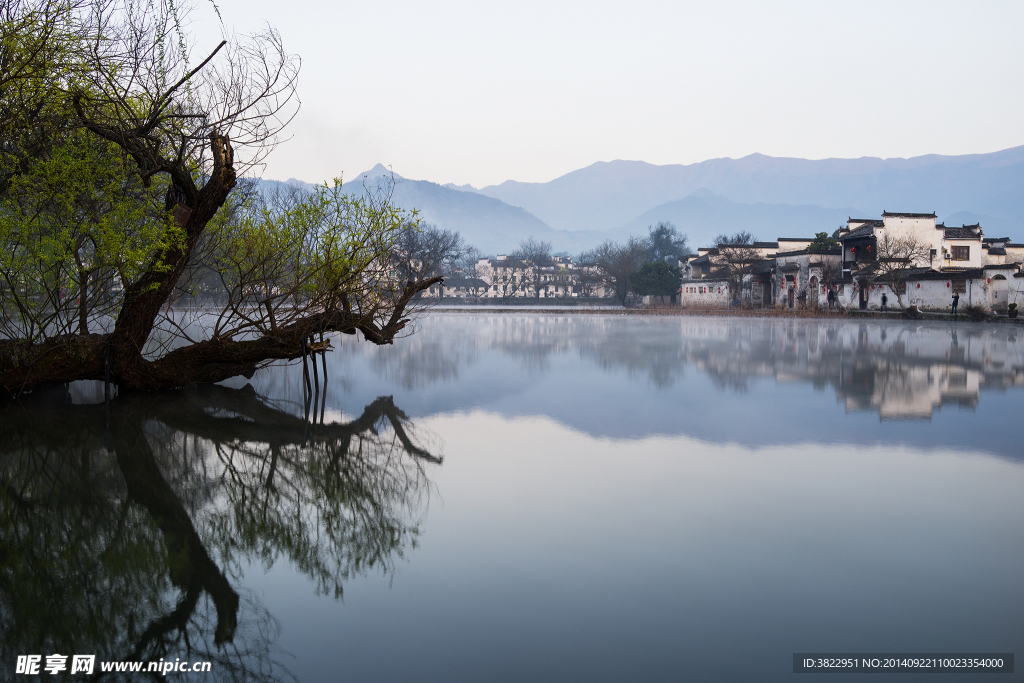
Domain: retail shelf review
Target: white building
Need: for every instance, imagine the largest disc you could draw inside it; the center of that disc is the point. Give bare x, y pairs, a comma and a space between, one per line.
956, 260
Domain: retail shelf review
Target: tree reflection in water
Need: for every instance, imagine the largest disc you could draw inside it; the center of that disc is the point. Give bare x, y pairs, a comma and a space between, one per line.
124, 535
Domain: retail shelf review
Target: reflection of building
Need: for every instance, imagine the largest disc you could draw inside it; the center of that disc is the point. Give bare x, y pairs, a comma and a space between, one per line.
902, 371
901, 391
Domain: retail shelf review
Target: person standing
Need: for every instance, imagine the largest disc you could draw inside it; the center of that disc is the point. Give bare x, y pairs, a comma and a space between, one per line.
956, 300
885, 301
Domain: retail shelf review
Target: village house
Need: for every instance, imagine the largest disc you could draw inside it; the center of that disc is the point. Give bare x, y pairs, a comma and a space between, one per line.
506, 277
458, 287
772, 273
951, 260
945, 260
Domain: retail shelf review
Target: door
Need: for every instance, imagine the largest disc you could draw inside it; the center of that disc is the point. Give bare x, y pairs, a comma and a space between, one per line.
813, 287
998, 291
863, 295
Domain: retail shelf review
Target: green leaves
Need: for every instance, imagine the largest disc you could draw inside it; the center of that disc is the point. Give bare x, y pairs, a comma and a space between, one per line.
300, 251
77, 223
657, 279
823, 241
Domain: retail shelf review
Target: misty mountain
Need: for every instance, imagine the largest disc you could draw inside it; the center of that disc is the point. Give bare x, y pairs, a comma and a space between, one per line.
485, 222
606, 195
703, 215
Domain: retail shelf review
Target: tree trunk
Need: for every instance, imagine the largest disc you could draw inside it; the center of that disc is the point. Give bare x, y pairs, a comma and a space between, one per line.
83, 303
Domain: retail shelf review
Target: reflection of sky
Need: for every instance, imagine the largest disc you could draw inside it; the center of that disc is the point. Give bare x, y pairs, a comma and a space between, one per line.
553, 555
629, 498
749, 381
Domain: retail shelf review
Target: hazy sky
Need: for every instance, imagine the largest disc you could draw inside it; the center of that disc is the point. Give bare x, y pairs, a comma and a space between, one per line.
479, 92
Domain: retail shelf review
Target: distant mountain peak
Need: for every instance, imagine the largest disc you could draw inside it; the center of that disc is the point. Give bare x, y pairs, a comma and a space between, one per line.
705, 193
378, 171
462, 188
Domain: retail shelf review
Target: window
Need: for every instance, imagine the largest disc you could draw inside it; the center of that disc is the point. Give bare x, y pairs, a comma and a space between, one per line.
961, 253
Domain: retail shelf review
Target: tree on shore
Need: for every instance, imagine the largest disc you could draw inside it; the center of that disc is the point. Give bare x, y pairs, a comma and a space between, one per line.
616, 264
657, 278
897, 256
666, 244
535, 256
118, 166
424, 251
740, 256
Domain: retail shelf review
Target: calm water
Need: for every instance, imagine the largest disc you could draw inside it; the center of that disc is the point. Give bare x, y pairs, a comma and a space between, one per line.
519, 497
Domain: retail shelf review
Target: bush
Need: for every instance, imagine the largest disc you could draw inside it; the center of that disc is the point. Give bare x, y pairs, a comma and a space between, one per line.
975, 312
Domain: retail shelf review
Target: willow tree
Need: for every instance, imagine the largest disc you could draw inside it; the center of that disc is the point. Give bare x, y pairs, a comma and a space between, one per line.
120, 168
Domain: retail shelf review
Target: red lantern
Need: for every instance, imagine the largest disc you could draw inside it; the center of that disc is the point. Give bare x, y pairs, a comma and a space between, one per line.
869, 247
947, 284
853, 250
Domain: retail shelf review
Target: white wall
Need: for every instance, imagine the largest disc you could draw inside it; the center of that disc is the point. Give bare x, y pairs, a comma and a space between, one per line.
705, 293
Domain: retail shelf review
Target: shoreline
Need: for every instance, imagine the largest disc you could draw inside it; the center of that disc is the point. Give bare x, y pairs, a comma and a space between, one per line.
668, 311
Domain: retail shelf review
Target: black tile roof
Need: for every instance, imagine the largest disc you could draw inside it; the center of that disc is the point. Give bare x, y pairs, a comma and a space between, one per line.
452, 282
997, 251
908, 215
816, 252
964, 233
869, 221
863, 231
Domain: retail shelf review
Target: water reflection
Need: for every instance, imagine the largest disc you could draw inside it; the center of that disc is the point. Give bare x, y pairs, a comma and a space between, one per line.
900, 370
124, 534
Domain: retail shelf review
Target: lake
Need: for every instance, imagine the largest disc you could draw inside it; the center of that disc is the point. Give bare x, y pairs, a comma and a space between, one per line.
509, 497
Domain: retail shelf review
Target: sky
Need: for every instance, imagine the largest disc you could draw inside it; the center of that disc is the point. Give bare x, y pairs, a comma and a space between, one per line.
482, 92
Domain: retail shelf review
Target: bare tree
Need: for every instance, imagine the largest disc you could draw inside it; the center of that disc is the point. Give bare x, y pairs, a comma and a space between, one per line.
535, 256
742, 238
897, 257
831, 270
586, 277
424, 251
509, 275
740, 261
616, 264
465, 264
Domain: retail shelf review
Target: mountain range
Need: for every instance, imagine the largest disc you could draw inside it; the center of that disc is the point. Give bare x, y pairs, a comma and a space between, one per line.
769, 196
